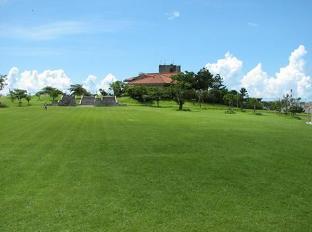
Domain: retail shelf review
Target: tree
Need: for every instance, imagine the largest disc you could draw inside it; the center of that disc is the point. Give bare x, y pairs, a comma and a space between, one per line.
118, 88
243, 94
156, 94
2, 82
19, 94
217, 82
182, 83
203, 80
200, 96
103, 92
12, 96
138, 93
39, 93
286, 102
229, 99
78, 90
28, 98
295, 106
254, 103
52, 92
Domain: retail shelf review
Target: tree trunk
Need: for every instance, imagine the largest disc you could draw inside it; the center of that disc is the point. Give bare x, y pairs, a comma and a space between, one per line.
254, 108
180, 105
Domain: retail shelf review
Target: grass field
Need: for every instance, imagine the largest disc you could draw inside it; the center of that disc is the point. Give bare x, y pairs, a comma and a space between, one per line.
153, 169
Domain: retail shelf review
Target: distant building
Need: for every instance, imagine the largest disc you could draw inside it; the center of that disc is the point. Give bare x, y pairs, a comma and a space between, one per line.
162, 78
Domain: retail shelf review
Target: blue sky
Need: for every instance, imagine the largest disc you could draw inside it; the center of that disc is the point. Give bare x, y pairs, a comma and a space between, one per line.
123, 38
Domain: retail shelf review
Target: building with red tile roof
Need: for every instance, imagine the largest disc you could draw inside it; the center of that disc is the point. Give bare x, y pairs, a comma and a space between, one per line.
162, 78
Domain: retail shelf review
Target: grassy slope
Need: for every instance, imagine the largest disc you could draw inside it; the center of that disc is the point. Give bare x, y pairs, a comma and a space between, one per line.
147, 169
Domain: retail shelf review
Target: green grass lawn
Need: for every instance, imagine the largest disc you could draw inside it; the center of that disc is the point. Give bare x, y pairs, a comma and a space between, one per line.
137, 168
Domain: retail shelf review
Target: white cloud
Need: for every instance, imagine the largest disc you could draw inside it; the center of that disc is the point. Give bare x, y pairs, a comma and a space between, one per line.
173, 15
252, 24
33, 81
255, 80
60, 29
106, 81
90, 84
228, 67
93, 85
292, 76
45, 31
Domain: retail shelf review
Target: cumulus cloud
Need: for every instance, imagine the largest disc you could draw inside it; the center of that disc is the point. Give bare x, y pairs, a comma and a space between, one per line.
106, 81
93, 85
228, 67
173, 15
33, 81
90, 84
292, 76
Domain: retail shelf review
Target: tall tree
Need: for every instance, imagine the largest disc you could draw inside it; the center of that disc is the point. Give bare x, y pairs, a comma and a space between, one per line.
203, 80
286, 102
182, 82
243, 94
217, 82
78, 90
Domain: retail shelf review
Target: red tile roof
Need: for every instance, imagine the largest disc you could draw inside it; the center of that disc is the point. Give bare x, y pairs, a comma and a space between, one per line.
152, 79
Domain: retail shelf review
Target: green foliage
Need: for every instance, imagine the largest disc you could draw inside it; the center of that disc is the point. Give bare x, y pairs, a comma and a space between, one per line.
39, 93
52, 92
182, 86
254, 103
78, 90
18, 94
242, 97
103, 92
28, 98
138, 93
118, 88
229, 99
295, 106
230, 111
2, 81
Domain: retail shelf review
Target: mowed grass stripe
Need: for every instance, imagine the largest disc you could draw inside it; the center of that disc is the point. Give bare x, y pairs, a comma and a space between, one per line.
148, 169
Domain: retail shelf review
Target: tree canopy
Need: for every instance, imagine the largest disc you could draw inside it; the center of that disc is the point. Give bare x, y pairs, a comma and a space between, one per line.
78, 90
52, 92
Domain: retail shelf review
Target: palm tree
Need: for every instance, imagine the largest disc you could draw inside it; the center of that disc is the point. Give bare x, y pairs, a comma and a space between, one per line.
78, 90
